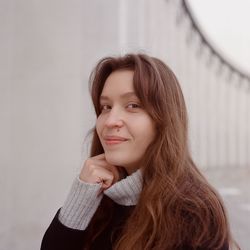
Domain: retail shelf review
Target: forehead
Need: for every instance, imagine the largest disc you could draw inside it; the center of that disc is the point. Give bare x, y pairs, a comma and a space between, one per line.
118, 82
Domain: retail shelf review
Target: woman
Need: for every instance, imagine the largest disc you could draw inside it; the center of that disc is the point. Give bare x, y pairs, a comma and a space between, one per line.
140, 188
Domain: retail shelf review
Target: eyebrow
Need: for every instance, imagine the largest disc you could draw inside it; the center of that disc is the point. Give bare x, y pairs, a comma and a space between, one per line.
123, 96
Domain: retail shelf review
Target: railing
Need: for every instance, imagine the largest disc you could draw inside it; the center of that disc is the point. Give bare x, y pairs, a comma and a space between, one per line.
217, 92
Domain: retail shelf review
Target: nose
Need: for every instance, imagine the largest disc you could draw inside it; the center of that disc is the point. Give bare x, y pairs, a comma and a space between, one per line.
114, 119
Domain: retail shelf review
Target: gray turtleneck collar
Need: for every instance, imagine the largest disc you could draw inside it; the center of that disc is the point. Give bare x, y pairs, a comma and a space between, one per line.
126, 192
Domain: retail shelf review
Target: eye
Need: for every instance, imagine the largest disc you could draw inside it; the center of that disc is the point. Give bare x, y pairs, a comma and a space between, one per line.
133, 105
104, 107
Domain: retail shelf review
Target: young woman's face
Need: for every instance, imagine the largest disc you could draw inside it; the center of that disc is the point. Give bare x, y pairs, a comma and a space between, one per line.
125, 129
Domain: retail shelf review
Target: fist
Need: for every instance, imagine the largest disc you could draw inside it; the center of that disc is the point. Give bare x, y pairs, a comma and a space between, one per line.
97, 170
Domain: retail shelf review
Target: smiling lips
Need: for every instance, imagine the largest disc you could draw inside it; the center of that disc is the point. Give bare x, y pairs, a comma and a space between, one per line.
111, 140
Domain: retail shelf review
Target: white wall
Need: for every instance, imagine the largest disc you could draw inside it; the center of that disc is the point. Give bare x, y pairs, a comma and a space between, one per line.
47, 51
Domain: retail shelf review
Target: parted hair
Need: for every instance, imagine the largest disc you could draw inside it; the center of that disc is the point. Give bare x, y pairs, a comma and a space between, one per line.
177, 207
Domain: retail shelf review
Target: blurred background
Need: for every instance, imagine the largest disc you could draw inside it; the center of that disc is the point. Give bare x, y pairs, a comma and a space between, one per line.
48, 49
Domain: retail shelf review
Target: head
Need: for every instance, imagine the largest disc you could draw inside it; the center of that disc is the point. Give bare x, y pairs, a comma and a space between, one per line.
124, 127
138, 98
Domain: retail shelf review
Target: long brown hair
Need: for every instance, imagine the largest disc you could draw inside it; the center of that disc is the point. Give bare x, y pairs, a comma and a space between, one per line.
177, 206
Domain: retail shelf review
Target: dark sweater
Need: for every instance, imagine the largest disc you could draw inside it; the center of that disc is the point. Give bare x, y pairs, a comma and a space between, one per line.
70, 227
60, 237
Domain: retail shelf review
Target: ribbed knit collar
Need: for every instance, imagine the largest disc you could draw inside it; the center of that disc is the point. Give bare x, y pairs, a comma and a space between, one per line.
126, 192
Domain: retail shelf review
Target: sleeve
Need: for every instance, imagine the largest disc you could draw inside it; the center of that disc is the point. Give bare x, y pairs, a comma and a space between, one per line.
67, 229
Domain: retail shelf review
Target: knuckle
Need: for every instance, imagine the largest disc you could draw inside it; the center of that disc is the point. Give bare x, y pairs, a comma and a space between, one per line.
94, 171
91, 166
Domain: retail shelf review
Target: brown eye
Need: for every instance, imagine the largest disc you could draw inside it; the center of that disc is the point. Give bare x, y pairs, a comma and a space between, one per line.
105, 107
133, 105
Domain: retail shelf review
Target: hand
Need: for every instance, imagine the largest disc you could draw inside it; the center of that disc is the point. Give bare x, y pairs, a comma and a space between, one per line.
97, 170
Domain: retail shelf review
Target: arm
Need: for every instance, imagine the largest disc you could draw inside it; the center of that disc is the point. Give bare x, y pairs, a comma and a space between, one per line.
67, 229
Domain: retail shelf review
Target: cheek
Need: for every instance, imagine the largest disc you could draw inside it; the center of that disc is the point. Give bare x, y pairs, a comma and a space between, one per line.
99, 125
146, 132
147, 137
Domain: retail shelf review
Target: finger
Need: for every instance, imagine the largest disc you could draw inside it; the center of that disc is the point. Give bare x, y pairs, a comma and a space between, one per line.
115, 171
103, 163
102, 175
99, 157
107, 183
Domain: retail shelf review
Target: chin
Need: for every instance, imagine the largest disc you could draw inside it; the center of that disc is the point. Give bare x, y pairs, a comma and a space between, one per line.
114, 160
121, 162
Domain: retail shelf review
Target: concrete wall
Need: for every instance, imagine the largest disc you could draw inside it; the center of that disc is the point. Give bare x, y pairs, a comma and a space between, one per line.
47, 51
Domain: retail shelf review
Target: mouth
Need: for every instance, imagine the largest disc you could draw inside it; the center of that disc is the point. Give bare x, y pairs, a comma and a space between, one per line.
114, 140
